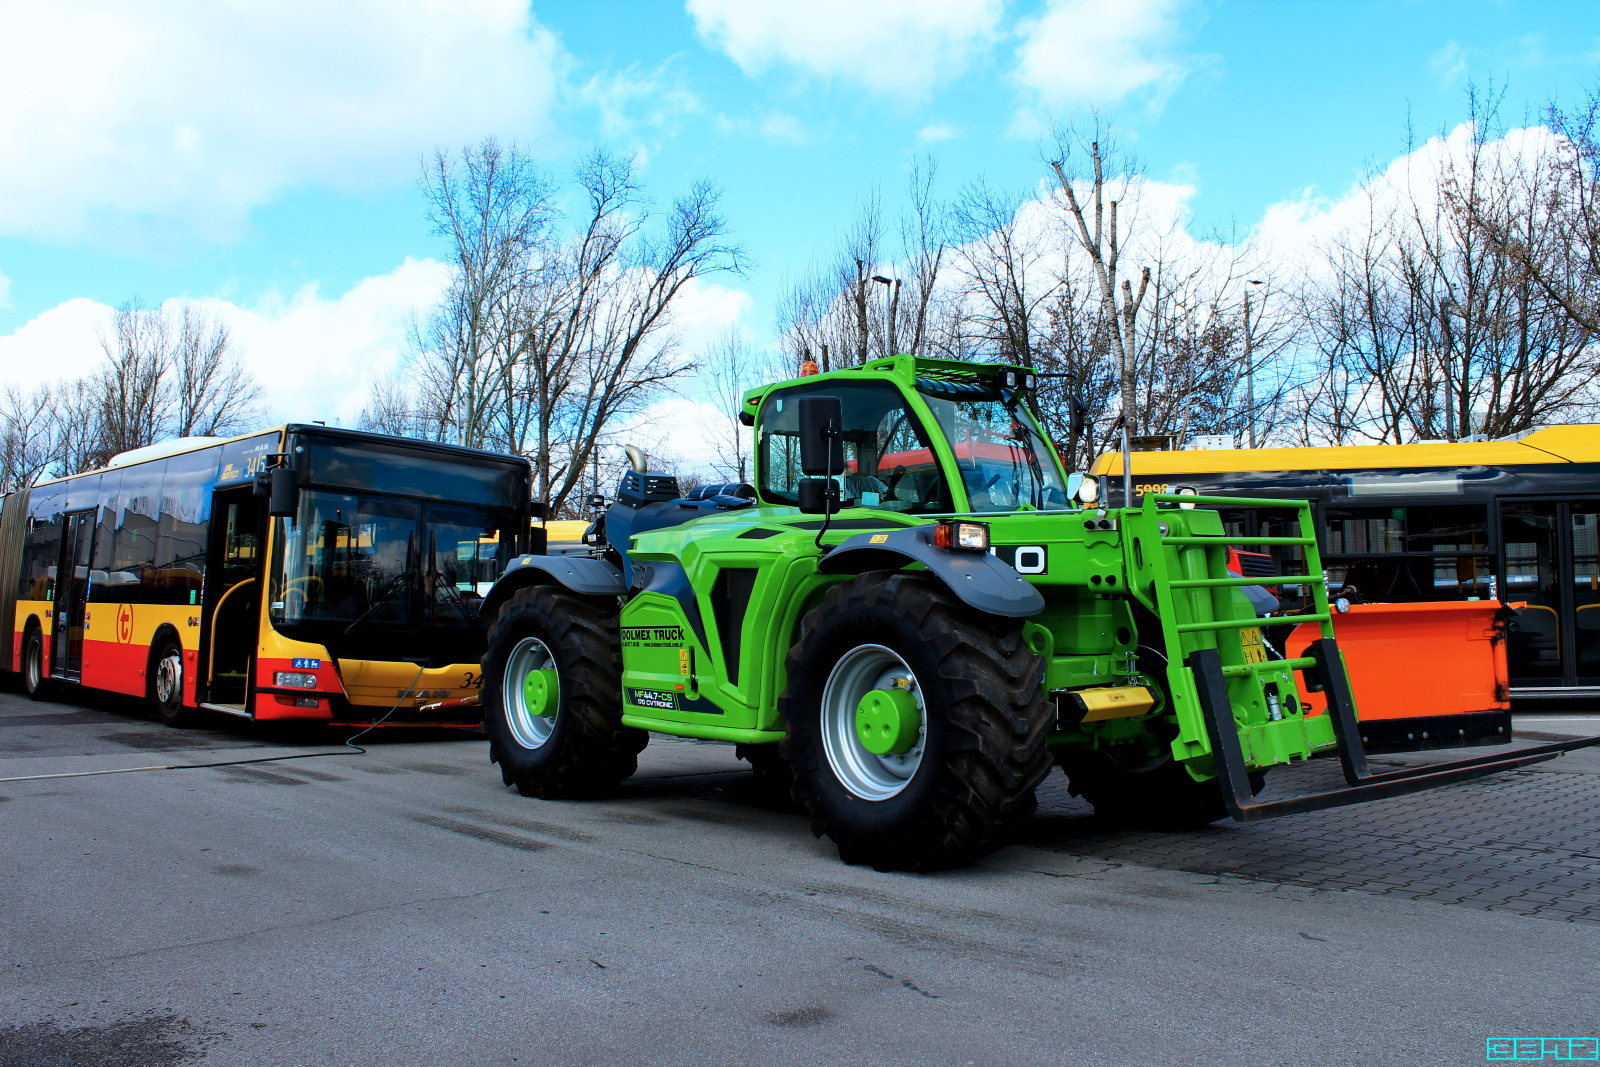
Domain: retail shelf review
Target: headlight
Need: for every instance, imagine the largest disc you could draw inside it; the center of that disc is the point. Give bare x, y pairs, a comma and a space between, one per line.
1088, 489
294, 680
1187, 490
969, 536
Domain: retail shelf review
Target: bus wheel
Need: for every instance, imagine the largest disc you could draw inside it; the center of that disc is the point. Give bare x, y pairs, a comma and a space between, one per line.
33, 679
916, 727
552, 696
1143, 792
166, 685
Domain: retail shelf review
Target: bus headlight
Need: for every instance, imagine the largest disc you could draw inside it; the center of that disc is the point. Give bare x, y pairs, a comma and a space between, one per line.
1187, 490
1088, 489
294, 680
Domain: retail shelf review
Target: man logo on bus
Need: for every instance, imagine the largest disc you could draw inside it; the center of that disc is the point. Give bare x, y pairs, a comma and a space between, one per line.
125, 624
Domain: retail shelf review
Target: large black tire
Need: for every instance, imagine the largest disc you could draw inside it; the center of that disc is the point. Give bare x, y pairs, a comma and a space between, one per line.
34, 683
983, 715
587, 751
1140, 792
166, 685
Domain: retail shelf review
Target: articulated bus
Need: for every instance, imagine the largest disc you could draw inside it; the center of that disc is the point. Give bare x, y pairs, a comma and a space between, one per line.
1511, 520
306, 572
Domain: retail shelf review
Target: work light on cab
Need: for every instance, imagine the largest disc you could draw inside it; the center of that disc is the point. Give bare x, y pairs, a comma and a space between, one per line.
968, 536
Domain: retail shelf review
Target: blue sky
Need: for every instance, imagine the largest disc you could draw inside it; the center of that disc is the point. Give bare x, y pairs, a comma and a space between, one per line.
262, 157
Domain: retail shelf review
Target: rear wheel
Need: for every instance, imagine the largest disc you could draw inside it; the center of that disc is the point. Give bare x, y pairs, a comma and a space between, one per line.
1133, 789
33, 679
166, 686
916, 726
552, 696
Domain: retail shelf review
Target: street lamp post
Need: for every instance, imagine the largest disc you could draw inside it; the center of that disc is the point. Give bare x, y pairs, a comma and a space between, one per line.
891, 290
1249, 371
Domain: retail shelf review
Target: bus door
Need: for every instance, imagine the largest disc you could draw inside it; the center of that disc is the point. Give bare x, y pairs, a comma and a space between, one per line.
1550, 559
72, 595
233, 594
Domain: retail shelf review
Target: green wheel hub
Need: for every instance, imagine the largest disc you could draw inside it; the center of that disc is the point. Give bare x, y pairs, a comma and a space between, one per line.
539, 690
888, 721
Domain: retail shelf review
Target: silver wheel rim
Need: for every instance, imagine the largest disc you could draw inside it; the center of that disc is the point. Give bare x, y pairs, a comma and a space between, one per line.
169, 679
530, 730
35, 663
858, 672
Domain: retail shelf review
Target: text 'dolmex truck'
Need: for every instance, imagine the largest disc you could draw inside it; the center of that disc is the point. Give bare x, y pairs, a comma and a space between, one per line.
910, 614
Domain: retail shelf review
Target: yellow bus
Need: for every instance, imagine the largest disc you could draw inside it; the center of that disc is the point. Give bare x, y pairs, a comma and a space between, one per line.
305, 572
1504, 520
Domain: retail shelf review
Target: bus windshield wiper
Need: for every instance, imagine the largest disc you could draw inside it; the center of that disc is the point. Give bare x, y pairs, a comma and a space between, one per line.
383, 599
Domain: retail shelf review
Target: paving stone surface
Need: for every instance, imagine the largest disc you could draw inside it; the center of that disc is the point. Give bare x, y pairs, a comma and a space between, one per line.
1526, 841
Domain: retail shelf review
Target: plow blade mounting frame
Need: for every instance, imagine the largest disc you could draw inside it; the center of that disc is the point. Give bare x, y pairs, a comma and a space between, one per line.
1233, 773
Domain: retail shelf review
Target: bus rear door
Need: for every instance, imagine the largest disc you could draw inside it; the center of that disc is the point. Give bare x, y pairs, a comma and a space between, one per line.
72, 595
1550, 560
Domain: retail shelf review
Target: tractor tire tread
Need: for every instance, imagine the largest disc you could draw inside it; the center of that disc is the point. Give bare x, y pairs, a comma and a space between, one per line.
996, 718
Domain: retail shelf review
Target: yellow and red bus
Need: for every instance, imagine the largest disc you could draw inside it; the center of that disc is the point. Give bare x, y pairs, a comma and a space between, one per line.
1512, 520
306, 572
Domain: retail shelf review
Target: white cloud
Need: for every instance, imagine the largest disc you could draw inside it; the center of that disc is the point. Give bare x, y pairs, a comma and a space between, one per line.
898, 48
314, 356
938, 131
63, 342
1088, 51
5, 292
114, 115
633, 102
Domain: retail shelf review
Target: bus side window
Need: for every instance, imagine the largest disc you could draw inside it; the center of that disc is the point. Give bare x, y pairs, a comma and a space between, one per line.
137, 526
104, 581
45, 507
185, 521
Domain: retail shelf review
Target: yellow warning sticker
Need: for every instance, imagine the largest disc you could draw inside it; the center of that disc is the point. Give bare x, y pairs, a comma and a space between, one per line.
878, 539
1254, 650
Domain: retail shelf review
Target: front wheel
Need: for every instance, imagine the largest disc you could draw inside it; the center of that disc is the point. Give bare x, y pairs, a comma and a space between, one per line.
166, 686
916, 726
552, 696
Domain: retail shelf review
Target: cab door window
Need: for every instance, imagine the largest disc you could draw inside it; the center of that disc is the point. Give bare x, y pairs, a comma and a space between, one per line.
889, 462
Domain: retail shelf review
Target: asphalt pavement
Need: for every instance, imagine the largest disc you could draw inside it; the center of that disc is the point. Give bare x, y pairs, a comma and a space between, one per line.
403, 908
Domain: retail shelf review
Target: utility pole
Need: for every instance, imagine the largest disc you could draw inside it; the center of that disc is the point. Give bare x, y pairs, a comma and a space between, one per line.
891, 298
1249, 371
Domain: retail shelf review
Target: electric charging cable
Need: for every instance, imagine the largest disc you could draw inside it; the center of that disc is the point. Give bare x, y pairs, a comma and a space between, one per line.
350, 742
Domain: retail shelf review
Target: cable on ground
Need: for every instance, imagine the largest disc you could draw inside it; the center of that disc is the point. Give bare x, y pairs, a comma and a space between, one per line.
350, 742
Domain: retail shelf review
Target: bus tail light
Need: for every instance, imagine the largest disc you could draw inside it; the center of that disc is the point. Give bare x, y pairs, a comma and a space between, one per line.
300, 702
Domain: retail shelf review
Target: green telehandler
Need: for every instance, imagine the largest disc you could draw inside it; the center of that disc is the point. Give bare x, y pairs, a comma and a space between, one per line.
909, 618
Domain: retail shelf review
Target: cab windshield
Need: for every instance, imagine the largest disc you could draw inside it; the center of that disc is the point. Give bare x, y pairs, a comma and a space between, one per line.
1005, 464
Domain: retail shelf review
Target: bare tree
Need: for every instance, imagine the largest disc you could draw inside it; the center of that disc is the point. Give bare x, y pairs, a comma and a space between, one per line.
134, 386
730, 367
29, 436
1428, 323
544, 341
1095, 223
214, 395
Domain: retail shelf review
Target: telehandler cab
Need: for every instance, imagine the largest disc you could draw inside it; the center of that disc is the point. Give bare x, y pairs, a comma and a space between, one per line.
913, 614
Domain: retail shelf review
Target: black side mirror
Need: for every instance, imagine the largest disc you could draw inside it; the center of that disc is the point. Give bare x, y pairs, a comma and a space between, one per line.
540, 510
284, 493
818, 496
1078, 417
821, 451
